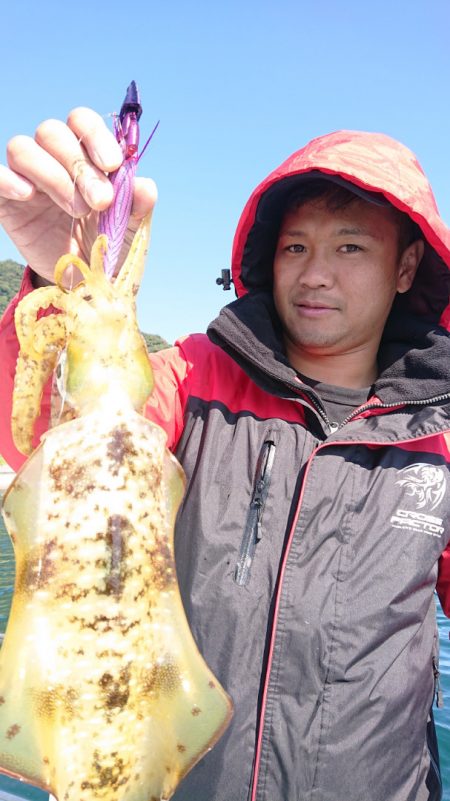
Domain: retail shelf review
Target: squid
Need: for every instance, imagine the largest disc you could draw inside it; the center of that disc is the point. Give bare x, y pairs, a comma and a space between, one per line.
103, 693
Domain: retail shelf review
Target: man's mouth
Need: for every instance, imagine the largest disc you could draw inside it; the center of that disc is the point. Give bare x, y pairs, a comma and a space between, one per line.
313, 308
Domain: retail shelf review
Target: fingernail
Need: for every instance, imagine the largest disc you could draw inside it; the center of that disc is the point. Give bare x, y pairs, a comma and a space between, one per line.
21, 191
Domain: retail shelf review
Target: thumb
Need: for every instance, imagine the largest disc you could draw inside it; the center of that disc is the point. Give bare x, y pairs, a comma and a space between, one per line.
144, 200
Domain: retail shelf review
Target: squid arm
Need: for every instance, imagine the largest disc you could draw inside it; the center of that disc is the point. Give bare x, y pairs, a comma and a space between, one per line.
40, 342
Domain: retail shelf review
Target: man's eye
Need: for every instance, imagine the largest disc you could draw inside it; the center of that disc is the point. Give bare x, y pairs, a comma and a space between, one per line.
351, 248
295, 248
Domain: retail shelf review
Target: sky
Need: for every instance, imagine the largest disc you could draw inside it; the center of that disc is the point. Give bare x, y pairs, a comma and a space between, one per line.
237, 87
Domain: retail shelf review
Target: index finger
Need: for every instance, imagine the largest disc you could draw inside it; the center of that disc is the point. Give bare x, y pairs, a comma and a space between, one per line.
96, 138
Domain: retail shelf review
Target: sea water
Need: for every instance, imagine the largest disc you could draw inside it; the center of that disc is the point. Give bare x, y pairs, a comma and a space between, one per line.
442, 716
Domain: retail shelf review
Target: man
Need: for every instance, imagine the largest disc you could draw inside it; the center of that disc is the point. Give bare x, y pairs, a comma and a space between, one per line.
313, 426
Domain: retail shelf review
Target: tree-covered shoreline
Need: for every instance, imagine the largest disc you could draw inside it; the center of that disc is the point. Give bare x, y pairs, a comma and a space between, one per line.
11, 278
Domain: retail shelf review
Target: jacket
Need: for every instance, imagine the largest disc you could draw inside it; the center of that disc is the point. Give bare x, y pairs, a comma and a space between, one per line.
308, 558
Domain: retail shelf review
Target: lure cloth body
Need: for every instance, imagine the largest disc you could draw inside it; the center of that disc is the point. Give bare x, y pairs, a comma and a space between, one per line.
103, 693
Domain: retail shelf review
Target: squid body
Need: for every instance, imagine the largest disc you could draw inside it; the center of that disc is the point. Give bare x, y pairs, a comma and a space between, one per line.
103, 693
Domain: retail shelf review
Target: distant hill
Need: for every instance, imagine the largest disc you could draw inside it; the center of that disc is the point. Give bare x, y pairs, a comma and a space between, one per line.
10, 280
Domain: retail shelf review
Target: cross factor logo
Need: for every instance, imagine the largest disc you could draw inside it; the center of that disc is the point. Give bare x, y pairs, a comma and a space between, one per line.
426, 486
425, 483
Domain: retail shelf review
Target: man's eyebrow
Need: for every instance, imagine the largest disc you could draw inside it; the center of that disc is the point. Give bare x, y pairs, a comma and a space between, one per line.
354, 231
357, 231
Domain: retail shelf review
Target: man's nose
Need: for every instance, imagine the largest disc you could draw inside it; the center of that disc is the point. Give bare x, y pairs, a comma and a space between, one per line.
317, 272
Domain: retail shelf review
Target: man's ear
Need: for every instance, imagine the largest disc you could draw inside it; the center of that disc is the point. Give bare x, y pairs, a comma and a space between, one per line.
409, 262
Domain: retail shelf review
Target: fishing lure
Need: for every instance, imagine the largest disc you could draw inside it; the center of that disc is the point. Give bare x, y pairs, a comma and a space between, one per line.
103, 693
114, 221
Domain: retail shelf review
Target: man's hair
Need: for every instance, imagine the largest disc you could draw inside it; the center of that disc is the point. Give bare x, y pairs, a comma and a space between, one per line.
338, 197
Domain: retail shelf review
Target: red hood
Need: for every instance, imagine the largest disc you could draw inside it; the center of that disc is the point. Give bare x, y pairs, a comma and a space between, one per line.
373, 162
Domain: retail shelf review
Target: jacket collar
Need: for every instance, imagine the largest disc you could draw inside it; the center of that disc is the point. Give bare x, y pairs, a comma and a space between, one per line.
414, 356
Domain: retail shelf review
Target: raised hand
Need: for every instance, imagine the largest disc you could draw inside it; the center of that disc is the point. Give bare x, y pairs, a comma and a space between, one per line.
55, 185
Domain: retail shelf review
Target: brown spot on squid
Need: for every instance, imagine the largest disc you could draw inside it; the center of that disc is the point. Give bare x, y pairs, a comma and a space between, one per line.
13, 731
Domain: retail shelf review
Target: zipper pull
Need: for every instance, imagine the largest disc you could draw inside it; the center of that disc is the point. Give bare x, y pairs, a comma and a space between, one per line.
437, 685
258, 493
258, 532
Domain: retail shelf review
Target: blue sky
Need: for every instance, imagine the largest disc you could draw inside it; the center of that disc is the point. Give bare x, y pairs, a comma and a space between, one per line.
237, 86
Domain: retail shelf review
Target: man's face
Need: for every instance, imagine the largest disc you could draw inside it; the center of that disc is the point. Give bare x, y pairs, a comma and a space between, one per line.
336, 274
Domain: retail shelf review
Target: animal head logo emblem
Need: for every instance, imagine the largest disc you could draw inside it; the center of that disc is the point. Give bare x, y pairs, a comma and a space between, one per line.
424, 482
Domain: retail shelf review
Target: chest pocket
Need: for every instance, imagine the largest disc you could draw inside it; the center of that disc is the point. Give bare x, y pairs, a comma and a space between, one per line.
253, 530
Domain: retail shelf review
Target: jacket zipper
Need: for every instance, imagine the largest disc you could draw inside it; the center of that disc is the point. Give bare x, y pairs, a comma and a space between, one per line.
333, 427
367, 407
253, 530
321, 411
438, 694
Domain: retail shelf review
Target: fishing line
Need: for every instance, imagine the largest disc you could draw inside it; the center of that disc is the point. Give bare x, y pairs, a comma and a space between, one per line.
59, 387
78, 167
59, 399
